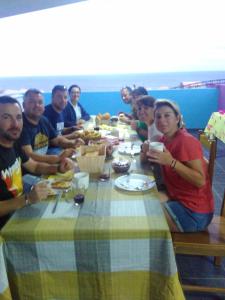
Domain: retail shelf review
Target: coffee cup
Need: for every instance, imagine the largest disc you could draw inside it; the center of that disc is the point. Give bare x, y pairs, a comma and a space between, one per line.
156, 146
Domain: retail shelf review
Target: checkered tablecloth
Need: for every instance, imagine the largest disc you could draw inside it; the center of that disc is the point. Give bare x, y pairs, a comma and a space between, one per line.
115, 246
216, 126
4, 284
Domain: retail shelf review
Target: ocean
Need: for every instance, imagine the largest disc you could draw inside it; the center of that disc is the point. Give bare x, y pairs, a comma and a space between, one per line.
104, 83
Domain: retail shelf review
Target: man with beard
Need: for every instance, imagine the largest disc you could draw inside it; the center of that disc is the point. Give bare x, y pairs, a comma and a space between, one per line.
54, 111
38, 134
12, 158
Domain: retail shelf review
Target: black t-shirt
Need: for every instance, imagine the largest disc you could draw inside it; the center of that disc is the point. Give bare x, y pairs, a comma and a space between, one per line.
11, 184
37, 136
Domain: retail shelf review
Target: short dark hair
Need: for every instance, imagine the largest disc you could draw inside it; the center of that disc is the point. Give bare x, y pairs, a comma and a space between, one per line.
126, 88
59, 87
146, 100
139, 91
31, 91
8, 100
73, 86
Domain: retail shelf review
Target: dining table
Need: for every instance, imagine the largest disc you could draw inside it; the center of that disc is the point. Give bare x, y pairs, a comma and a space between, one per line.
216, 125
116, 245
4, 284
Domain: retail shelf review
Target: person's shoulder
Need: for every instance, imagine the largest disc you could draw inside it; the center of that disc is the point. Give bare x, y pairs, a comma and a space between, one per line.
48, 108
25, 120
182, 132
187, 138
44, 120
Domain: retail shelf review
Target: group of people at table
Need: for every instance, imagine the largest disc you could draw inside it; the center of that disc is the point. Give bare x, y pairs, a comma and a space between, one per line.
41, 140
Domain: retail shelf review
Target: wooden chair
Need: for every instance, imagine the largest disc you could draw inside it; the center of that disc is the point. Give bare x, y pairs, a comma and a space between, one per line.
209, 145
210, 242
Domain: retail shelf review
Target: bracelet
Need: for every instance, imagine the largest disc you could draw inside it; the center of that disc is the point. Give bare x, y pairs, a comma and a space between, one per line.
27, 201
173, 163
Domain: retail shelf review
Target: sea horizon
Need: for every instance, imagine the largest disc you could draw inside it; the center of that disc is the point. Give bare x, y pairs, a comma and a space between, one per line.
109, 82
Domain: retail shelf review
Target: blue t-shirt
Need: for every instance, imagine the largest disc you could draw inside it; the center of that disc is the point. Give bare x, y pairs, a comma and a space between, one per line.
55, 118
37, 136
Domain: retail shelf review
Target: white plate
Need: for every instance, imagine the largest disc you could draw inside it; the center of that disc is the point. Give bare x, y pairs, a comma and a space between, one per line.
104, 132
134, 182
125, 148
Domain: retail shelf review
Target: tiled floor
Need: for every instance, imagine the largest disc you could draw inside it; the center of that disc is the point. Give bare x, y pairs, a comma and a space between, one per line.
201, 270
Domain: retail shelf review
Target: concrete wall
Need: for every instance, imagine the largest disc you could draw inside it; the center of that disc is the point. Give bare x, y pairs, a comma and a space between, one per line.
196, 105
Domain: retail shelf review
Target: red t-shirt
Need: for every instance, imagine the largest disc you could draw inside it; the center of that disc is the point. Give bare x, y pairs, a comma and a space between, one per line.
184, 147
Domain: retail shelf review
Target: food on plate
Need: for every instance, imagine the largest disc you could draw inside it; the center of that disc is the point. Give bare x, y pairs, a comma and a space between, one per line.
87, 135
106, 116
102, 118
61, 184
51, 192
62, 176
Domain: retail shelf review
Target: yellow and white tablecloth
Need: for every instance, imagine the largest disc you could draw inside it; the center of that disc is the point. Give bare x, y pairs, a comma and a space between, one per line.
115, 246
4, 284
216, 126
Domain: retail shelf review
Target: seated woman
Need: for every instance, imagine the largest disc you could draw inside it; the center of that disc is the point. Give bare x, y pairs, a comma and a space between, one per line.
145, 114
137, 124
189, 205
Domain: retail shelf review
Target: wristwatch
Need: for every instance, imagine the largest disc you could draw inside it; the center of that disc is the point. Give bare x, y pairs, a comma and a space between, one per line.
27, 201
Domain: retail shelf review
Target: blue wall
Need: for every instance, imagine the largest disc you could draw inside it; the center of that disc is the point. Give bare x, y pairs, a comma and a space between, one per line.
196, 105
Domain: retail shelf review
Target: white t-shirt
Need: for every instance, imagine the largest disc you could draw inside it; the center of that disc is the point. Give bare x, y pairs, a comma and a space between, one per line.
77, 111
153, 133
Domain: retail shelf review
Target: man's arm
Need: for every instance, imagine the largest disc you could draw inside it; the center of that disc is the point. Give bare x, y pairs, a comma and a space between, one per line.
45, 158
63, 142
41, 168
38, 193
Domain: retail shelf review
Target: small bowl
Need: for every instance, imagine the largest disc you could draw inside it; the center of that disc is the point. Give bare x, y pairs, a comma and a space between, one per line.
121, 166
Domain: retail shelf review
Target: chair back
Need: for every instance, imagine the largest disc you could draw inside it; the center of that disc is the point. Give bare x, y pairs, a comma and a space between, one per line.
210, 145
222, 212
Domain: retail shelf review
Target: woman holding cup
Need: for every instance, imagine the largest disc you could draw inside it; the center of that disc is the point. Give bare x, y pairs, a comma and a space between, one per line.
189, 205
145, 112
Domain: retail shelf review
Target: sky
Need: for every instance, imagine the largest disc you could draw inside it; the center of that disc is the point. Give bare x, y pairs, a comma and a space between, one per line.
115, 36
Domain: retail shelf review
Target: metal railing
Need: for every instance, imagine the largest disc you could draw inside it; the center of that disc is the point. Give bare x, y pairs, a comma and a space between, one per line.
206, 83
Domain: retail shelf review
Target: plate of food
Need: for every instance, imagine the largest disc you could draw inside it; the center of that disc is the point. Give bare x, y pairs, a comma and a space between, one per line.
135, 182
61, 185
129, 148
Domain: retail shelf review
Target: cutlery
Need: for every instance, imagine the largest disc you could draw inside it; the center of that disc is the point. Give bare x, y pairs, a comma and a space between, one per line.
58, 198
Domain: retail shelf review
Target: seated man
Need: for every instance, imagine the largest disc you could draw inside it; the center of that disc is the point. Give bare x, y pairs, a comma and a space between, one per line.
11, 160
54, 111
74, 113
38, 133
126, 96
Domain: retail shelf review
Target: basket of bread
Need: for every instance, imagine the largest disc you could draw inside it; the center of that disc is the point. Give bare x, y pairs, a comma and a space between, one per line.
102, 119
92, 158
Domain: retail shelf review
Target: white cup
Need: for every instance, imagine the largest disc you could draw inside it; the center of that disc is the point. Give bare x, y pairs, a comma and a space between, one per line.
156, 146
81, 180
